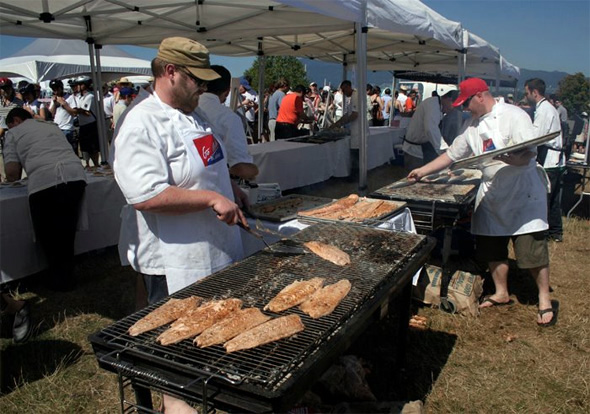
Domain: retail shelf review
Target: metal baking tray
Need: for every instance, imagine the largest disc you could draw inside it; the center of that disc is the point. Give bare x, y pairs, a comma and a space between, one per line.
286, 208
479, 159
395, 207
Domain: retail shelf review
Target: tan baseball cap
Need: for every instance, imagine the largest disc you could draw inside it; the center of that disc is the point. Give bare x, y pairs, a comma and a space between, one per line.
188, 53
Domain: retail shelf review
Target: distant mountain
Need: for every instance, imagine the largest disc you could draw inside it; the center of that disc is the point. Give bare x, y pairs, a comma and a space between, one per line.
331, 74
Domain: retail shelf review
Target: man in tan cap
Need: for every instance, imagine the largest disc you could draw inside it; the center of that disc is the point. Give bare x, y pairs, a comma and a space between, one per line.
178, 226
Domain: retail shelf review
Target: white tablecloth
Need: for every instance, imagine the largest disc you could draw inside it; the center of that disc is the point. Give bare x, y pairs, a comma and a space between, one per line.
20, 256
294, 164
381, 144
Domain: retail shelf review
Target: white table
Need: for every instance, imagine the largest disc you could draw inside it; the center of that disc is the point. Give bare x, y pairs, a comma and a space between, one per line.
381, 143
294, 164
99, 226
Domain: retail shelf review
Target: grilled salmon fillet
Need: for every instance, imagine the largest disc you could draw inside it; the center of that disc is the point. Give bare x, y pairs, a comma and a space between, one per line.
270, 331
328, 252
324, 301
339, 205
168, 312
198, 320
236, 323
361, 210
294, 294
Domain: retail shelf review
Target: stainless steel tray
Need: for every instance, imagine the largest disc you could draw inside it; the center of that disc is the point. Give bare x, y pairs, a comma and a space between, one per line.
286, 208
395, 207
478, 159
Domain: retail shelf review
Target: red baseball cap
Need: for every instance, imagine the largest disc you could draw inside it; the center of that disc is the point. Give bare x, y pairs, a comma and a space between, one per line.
5, 82
468, 88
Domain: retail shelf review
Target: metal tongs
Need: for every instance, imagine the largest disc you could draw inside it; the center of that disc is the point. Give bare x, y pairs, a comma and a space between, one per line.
285, 245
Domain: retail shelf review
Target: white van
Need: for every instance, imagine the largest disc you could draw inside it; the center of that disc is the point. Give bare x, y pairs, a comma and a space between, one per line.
425, 89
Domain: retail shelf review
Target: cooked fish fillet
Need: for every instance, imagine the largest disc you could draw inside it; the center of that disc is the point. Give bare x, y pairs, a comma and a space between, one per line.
339, 205
385, 208
270, 331
324, 301
236, 323
168, 312
361, 210
294, 294
328, 252
198, 320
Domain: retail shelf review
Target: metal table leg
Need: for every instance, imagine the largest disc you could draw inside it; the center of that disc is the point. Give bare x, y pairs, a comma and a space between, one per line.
447, 273
583, 188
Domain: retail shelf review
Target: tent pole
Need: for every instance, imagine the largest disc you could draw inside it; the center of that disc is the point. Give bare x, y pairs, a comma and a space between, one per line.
99, 117
361, 62
344, 65
104, 153
261, 69
392, 109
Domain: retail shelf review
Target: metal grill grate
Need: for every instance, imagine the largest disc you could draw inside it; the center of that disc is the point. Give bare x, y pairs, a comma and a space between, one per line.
375, 255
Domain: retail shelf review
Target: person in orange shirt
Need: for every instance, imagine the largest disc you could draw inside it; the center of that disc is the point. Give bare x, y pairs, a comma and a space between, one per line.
291, 114
410, 103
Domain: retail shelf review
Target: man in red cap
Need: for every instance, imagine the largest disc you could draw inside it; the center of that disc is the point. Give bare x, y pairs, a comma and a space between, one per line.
511, 200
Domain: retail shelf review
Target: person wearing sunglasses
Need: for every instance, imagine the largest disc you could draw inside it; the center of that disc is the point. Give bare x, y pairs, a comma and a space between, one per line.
511, 202
179, 223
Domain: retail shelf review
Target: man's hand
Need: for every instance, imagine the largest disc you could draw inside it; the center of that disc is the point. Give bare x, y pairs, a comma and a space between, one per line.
518, 159
228, 211
417, 174
240, 196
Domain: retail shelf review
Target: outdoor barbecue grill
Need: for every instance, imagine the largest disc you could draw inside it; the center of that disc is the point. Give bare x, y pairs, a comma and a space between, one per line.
436, 205
274, 376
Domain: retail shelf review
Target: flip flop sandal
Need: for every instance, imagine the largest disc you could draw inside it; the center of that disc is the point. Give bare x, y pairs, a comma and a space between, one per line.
555, 309
494, 302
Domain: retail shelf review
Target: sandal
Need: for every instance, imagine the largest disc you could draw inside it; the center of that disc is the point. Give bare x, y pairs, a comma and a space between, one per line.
555, 309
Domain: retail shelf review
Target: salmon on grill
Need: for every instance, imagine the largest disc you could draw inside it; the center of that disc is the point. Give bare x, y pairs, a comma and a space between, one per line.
294, 294
168, 312
324, 301
361, 210
198, 320
328, 252
339, 205
270, 331
236, 323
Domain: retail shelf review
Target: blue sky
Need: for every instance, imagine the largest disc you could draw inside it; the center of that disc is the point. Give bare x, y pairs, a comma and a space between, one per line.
551, 35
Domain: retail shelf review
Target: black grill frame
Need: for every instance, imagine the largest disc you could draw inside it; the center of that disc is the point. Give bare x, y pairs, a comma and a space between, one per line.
173, 369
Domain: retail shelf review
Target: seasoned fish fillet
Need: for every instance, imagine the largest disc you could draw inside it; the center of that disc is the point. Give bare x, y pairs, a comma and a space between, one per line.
294, 294
324, 301
361, 210
198, 320
328, 252
168, 312
339, 205
270, 331
236, 323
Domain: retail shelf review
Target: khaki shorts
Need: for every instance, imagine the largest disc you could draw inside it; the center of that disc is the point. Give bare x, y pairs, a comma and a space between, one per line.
530, 249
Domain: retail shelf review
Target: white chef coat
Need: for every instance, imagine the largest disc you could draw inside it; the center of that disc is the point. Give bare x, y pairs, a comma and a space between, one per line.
250, 113
425, 127
546, 122
227, 125
156, 147
510, 200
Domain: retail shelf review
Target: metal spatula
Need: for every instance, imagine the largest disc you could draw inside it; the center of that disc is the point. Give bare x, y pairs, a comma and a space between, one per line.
286, 244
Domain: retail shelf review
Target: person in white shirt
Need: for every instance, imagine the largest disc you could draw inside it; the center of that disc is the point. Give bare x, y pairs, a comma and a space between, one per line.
423, 141
227, 125
550, 155
63, 112
32, 103
249, 107
56, 182
511, 199
403, 95
179, 224
87, 117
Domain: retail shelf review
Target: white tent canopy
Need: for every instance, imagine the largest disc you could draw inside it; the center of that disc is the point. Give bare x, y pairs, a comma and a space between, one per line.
47, 59
327, 29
